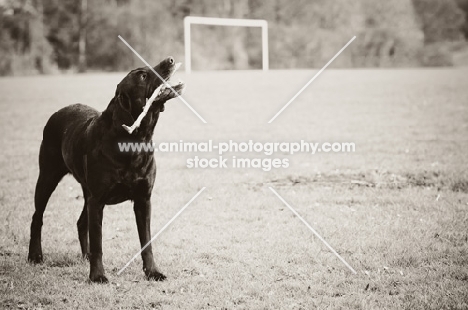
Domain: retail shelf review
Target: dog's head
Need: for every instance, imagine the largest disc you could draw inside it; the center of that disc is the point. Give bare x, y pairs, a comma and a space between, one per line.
139, 84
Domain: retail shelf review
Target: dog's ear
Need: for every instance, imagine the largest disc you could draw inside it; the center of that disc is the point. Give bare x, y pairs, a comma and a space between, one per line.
123, 110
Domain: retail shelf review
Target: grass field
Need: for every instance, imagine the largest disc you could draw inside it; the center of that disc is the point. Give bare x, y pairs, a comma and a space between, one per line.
396, 209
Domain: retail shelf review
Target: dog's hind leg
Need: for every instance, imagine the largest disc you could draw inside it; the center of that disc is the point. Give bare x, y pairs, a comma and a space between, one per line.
95, 213
83, 228
51, 171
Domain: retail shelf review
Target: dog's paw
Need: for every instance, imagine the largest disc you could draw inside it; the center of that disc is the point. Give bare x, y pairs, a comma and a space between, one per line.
98, 279
155, 276
35, 258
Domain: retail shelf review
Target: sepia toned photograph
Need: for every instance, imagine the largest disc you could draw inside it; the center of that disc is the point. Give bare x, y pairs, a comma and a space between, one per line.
234, 154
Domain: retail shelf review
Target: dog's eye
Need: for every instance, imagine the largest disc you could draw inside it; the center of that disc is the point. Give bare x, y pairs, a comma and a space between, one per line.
143, 76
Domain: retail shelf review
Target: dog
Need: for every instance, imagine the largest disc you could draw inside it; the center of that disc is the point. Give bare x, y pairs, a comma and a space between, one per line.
84, 142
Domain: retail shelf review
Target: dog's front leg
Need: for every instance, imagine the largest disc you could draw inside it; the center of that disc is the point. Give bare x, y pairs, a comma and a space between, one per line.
142, 208
95, 212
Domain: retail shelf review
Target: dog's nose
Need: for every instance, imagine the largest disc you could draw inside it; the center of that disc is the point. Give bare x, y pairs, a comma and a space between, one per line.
170, 59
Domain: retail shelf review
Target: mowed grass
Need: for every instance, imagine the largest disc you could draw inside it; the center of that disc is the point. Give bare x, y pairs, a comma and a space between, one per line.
396, 209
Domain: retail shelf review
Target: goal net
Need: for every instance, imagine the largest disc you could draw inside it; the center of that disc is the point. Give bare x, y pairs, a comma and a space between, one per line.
213, 21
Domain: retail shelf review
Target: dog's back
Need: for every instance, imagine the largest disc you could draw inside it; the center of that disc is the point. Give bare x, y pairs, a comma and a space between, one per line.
63, 123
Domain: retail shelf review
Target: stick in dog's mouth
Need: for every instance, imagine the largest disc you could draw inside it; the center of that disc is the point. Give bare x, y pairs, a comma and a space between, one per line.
163, 90
168, 84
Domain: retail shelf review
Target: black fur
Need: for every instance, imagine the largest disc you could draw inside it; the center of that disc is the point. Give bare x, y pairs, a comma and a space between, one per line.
84, 142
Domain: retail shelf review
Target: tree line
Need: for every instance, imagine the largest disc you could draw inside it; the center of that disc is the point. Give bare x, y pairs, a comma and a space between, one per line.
46, 36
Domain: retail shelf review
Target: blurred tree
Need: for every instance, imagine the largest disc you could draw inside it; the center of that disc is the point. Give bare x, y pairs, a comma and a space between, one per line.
391, 35
82, 36
6, 42
440, 20
442, 23
24, 48
463, 5
62, 18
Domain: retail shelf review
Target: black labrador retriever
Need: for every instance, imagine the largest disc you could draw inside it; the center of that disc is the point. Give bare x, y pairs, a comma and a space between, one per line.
84, 142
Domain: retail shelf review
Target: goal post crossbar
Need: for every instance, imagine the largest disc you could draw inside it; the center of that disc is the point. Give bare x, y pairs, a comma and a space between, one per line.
214, 21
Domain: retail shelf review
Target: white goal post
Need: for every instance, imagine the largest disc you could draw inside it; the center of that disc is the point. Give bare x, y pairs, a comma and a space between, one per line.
189, 20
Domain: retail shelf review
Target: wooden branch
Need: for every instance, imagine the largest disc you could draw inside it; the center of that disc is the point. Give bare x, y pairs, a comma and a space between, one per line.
145, 111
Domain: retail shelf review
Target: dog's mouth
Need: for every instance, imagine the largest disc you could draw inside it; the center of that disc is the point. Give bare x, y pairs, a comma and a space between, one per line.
169, 88
166, 70
178, 85
163, 89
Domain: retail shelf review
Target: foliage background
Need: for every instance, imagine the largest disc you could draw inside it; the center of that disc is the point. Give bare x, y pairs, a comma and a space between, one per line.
43, 36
